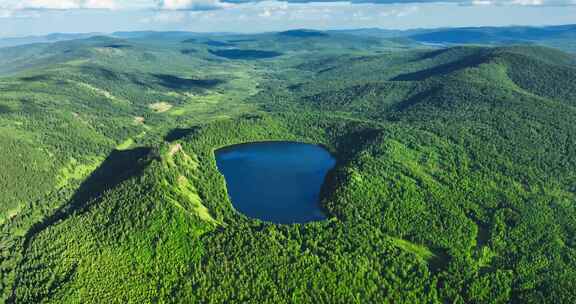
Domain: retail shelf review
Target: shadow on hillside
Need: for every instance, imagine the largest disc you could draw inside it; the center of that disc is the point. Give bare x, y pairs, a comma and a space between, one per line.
238, 54
35, 78
302, 34
179, 133
99, 72
241, 40
5, 109
440, 261
177, 83
433, 54
219, 43
118, 167
444, 69
117, 46
416, 99
188, 51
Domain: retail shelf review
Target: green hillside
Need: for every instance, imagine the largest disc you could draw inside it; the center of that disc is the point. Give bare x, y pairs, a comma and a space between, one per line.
455, 179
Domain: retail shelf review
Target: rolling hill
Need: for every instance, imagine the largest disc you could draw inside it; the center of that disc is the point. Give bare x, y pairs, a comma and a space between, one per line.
454, 181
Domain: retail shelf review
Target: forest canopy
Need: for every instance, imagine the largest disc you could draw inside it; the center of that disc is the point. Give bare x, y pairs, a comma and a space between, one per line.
455, 178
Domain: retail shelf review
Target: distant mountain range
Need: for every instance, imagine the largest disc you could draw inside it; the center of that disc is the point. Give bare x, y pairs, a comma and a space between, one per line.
15, 41
561, 36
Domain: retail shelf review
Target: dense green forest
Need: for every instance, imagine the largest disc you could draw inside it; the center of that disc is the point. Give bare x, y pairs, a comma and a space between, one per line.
455, 179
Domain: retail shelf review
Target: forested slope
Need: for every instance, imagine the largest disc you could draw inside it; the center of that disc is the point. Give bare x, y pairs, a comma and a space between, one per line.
454, 180
101, 251
378, 85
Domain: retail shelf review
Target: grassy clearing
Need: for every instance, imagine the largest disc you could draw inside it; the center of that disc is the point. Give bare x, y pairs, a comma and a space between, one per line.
77, 62
125, 145
185, 193
101, 92
138, 120
419, 250
76, 170
228, 101
160, 107
10, 214
189, 192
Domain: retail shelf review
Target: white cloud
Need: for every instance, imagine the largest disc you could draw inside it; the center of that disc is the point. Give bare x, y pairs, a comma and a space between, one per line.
166, 17
168, 11
265, 13
65, 4
399, 12
108, 4
482, 2
204, 5
521, 2
528, 2
6, 13
192, 5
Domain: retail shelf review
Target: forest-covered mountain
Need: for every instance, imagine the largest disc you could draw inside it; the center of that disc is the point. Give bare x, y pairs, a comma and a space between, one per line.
455, 179
560, 36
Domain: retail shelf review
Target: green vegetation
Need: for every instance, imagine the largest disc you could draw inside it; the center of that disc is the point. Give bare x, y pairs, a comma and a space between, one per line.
245, 54
455, 180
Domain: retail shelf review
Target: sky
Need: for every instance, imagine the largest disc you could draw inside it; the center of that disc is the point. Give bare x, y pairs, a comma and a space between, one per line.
39, 17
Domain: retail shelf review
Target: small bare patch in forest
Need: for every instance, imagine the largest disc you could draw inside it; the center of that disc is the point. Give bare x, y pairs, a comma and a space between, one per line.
160, 107
138, 120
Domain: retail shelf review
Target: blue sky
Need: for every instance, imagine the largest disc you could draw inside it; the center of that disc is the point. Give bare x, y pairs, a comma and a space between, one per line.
36, 17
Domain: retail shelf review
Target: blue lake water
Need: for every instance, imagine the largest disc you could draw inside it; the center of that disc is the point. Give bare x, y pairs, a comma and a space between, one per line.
278, 182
